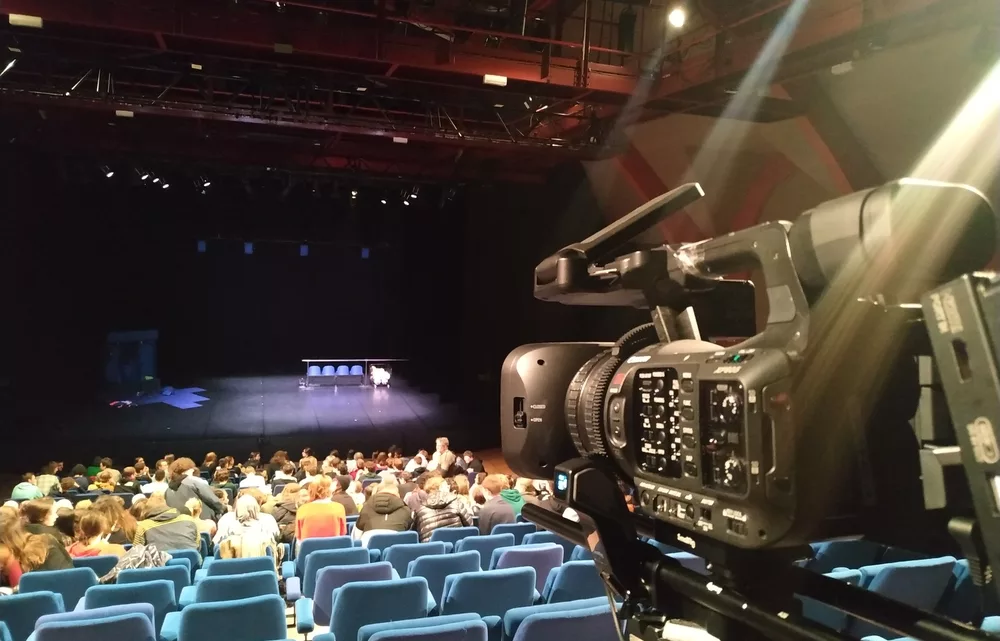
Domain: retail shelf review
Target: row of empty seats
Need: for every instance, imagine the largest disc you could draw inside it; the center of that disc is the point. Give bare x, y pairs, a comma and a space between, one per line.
339, 370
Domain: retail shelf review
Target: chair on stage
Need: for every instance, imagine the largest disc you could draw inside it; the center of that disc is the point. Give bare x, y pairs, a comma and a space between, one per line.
329, 370
313, 370
357, 370
343, 370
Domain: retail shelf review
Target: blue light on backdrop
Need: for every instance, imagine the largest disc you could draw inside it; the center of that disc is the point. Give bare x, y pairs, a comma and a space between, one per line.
248, 248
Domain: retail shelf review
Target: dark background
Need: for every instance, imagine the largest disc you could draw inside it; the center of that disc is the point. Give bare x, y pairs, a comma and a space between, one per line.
447, 283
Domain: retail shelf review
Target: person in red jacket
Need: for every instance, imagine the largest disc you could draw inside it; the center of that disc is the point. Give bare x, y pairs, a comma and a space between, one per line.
320, 517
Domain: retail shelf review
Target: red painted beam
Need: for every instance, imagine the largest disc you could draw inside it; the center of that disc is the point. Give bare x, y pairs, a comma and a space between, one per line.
774, 171
679, 228
255, 31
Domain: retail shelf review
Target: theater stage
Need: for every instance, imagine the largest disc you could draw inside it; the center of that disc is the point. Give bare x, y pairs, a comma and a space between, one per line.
235, 414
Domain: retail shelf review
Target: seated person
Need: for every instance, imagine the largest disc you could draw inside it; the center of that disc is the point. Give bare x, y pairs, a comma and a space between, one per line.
39, 516
27, 489
159, 483
320, 516
441, 509
204, 526
92, 539
385, 511
286, 474
67, 488
104, 483
129, 483
165, 527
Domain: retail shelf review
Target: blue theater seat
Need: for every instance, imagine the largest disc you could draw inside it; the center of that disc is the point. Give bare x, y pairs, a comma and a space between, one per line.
133, 627
101, 564
159, 594
535, 538
191, 556
591, 624
581, 553
919, 583
435, 569
519, 530
229, 567
379, 542
361, 603
20, 611
357, 370
343, 370
71, 584
489, 594
296, 567
314, 370
453, 534
850, 554
316, 608
230, 588
176, 574
485, 546
542, 558
259, 618
400, 555
458, 631
827, 615
143, 609
296, 587
368, 632
328, 370
514, 617
573, 581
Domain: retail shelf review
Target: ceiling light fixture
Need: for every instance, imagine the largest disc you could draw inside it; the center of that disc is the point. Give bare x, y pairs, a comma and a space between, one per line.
677, 17
494, 80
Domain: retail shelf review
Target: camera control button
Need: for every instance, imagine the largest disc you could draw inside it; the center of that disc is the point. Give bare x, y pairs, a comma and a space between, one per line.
687, 385
687, 413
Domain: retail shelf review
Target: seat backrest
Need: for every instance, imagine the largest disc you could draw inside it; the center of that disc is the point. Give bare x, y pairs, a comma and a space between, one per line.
328, 558
125, 496
158, 593
260, 618
488, 593
401, 555
581, 553
226, 567
535, 538
5, 632
368, 631
357, 370
176, 574
436, 568
543, 558
309, 546
573, 581
917, 583
328, 370
851, 554
827, 615
519, 530
453, 534
329, 579
363, 602
343, 370
145, 609
485, 546
20, 611
193, 557
71, 584
514, 617
383, 541
206, 544
133, 626
101, 564
591, 624
84, 496
237, 586
458, 631
962, 600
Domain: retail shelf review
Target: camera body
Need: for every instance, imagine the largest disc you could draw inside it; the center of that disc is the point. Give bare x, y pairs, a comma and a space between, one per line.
773, 442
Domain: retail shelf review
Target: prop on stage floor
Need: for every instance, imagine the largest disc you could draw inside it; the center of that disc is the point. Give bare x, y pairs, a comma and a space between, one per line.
348, 371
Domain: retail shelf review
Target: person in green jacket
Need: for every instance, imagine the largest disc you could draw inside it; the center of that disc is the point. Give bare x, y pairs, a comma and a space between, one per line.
514, 498
26, 489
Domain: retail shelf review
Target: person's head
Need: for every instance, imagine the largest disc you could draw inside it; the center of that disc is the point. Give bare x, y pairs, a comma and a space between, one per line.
404, 477
288, 468
221, 476
159, 475
94, 526
84, 504
138, 509
307, 451
106, 463
113, 508
210, 459
97, 461
356, 487
138, 460
476, 494
140, 468
105, 479
162, 464
79, 470
371, 467
50, 468
28, 477
169, 458
249, 471
343, 469
257, 495
441, 444
334, 454
319, 488
459, 484
66, 522
525, 487
290, 490
220, 494
29, 551
254, 456
467, 456
128, 474
67, 484
181, 468
382, 459
247, 509
359, 457
479, 478
493, 484
435, 484
341, 483
281, 456
309, 465
156, 500
386, 488
37, 511
193, 506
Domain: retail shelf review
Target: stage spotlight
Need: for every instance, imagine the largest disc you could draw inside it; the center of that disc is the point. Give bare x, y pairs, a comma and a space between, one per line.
166, 185
677, 17
406, 202
8, 67
414, 193
382, 201
280, 6
143, 175
156, 180
107, 171
206, 183
354, 194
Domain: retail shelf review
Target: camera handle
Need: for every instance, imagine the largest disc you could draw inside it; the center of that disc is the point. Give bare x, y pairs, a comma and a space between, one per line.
764, 247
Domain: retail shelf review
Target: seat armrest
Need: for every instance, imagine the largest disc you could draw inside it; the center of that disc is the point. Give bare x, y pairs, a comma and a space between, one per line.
304, 623
293, 589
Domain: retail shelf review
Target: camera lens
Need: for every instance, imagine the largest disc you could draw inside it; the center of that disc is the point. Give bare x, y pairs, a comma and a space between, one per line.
585, 404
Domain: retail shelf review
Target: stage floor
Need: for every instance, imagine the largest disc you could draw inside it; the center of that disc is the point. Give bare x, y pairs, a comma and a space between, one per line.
233, 414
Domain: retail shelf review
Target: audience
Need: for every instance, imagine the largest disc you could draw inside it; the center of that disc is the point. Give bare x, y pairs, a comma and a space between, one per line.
247, 523
92, 538
285, 511
320, 517
39, 516
106, 465
165, 527
26, 489
459, 486
252, 479
440, 510
79, 474
222, 480
418, 462
67, 488
385, 510
47, 481
209, 463
104, 483
21, 551
129, 483
339, 486
471, 463
122, 523
184, 485
205, 526
309, 470
286, 473
496, 509
159, 483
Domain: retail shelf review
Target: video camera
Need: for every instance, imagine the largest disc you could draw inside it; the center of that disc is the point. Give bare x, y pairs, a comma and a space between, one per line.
805, 431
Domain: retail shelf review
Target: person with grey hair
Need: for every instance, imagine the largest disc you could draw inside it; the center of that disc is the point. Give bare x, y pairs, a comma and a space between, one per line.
385, 510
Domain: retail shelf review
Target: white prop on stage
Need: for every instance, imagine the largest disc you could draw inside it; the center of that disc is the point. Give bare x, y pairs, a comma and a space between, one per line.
379, 376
